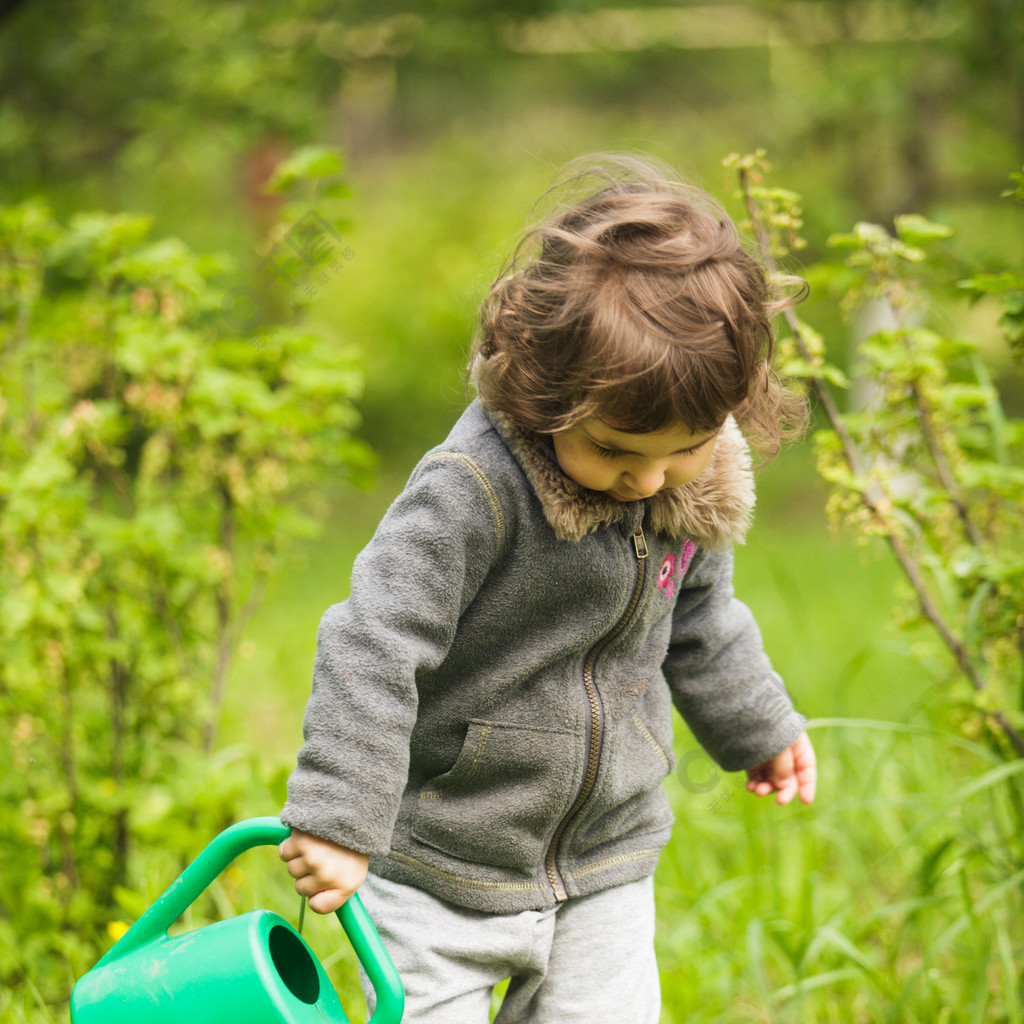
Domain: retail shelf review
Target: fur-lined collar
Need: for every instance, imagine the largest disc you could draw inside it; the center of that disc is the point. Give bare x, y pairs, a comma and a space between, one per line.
714, 510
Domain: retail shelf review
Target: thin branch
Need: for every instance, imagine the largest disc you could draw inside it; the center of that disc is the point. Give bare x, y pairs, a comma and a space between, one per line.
946, 477
224, 602
119, 481
120, 677
69, 768
226, 647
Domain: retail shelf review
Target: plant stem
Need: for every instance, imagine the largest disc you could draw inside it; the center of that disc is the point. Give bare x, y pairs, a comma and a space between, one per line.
119, 679
224, 602
69, 767
924, 418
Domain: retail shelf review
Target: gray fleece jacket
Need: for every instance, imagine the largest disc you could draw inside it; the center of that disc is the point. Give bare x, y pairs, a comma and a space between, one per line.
491, 715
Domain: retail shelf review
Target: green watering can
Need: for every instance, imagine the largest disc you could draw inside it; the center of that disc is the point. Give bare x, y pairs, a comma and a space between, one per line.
253, 969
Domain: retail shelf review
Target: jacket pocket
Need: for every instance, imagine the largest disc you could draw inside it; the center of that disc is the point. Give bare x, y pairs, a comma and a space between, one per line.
629, 799
504, 796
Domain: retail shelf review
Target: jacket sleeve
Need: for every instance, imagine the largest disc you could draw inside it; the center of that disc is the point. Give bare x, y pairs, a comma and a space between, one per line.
721, 679
410, 586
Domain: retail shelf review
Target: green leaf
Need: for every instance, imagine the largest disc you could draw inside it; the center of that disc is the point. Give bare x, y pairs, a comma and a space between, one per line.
801, 369
993, 284
308, 163
46, 471
335, 190
16, 610
966, 396
1018, 191
167, 260
835, 376
845, 241
95, 238
916, 230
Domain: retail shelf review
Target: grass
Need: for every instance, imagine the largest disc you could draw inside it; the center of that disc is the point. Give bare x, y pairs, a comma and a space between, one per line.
891, 899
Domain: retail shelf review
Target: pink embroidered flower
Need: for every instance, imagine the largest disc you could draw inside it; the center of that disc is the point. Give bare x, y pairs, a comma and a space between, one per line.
667, 568
665, 581
687, 553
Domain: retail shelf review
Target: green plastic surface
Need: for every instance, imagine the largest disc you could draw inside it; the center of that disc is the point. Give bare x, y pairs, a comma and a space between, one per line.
254, 968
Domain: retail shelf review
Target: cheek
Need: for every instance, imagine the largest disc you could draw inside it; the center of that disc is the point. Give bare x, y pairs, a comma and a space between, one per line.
690, 468
580, 465
592, 473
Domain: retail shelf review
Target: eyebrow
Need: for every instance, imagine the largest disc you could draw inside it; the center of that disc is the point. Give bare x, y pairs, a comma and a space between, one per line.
612, 446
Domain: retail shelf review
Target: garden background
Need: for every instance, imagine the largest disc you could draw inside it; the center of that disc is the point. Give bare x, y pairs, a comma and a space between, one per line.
241, 250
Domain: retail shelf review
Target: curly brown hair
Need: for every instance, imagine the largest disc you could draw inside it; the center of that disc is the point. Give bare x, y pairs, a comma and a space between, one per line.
634, 302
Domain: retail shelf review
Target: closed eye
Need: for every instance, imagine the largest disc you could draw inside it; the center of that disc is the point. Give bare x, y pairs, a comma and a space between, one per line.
607, 453
616, 453
695, 448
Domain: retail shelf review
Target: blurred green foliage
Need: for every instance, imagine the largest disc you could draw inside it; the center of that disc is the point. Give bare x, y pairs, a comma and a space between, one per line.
927, 457
872, 107
884, 89
153, 465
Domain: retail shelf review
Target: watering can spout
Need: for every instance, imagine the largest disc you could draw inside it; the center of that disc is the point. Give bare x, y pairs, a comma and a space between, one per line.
254, 968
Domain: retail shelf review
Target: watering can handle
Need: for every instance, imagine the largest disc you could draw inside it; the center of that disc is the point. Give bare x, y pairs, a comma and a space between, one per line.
221, 851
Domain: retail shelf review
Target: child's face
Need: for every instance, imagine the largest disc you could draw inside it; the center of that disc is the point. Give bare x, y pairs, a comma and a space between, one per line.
630, 467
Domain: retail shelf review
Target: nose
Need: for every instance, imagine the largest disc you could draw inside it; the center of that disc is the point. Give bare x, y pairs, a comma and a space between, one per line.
645, 481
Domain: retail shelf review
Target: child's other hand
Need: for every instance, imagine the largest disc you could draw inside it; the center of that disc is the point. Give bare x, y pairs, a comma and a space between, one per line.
793, 770
327, 874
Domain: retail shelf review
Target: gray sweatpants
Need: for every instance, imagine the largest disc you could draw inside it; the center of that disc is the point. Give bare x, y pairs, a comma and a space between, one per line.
589, 960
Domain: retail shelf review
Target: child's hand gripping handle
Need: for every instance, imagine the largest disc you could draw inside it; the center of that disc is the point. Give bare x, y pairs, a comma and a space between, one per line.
233, 841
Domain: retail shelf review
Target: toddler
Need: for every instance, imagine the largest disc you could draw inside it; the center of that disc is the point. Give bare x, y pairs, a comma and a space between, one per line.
491, 715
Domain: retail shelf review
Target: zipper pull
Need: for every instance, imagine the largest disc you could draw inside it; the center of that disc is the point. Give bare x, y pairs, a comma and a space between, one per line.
640, 543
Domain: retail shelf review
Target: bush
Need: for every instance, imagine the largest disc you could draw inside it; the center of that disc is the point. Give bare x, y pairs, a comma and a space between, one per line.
929, 460
154, 463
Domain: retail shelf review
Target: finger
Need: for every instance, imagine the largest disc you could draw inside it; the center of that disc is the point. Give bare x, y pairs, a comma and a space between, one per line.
806, 769
779, 777
787, 790
328, 900
807, 784
297, 867
783, 767
310, 886
290, 848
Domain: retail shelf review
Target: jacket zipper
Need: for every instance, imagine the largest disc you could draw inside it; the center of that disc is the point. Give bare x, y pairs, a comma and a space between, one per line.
595, 721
